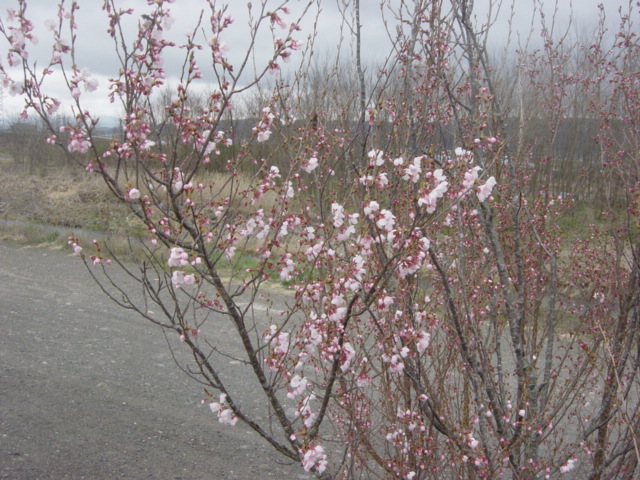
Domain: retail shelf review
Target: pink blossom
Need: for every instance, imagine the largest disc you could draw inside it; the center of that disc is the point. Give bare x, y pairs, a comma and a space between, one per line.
337, 300
77, 143
279, 341
382, 180
229, 252
314, 458
147, 144
412, 172
363, 380
470, 177
290, 190
366, 179
430, 200
345, 233
376, 157
134, 194
263, 135
16, 88
276, 19
338, 214
50, 24
484, 191
297, 386
359, 267
61, 46
313, 252
91, 85
304, 411
385, 302
52, 106
286, 56
422, 342
396, 364
311, 165
289, 268
17, 40
225, 414
77, 249
410, 265
371, 208
386, 220
177, 279
178, 257
348, 354
274, 172
338, 315
568, 466
462, 153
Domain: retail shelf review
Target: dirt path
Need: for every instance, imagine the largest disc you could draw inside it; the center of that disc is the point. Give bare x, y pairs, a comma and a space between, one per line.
89, 391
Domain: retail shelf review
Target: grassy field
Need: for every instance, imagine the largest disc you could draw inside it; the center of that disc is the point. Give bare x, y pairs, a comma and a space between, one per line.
45, 208
49, 206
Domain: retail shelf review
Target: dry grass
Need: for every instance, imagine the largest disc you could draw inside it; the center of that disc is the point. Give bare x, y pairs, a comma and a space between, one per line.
46, 208
58, 199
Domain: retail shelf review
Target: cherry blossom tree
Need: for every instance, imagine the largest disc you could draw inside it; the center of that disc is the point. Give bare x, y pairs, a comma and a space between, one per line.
438, 322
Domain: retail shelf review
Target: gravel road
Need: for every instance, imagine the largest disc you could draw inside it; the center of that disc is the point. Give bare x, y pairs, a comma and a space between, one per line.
90, 391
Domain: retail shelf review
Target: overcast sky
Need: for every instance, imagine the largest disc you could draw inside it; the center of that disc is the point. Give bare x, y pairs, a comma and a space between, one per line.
96, 52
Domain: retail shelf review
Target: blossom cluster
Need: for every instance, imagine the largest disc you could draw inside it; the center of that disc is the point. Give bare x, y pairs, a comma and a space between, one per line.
263, 129
314, 458
179, 258
223, 411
